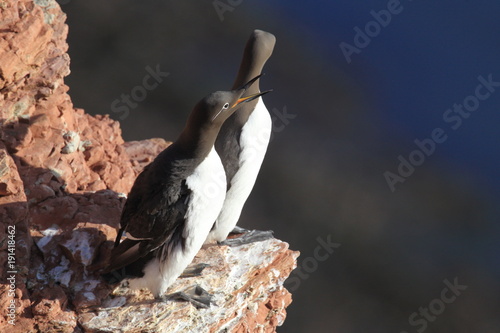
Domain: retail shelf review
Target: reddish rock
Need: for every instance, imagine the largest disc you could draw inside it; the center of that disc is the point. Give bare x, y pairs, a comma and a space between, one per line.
143, 152
247, 284
50, 311
8, 185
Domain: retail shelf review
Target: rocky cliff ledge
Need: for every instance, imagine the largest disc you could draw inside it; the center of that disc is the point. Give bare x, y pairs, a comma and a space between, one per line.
63, 175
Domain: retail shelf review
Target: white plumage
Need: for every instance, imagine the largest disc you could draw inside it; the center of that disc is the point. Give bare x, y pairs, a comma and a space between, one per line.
206, 200
254, 139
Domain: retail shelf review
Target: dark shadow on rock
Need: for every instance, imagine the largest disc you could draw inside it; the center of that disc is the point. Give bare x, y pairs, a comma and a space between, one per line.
60, 237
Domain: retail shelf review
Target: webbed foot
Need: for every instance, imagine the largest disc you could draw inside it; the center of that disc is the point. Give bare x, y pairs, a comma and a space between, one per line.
238, 230
248, 237
195, 295
194, 270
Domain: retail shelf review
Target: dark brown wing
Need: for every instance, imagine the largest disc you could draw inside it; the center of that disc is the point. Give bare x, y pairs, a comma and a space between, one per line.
154, 213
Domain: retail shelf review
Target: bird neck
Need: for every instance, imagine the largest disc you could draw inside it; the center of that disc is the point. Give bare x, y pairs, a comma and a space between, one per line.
197, 142
257, 51
249, 69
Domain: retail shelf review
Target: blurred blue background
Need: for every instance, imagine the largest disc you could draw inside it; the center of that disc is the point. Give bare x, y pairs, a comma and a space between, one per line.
324, 172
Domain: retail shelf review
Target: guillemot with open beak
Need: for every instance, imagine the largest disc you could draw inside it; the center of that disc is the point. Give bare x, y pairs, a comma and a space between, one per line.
242, 144
174, 202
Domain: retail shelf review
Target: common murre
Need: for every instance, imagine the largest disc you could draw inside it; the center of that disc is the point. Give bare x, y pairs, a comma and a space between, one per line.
174, 202
242, 143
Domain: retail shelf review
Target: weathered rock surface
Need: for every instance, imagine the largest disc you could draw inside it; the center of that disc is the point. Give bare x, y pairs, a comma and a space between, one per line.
63, 175
247, 284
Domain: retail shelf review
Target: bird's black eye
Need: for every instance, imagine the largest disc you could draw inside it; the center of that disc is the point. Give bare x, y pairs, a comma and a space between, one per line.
225, 106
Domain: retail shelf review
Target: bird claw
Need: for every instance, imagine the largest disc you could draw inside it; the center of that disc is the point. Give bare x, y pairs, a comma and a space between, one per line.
248, 237
238, 230
195, 295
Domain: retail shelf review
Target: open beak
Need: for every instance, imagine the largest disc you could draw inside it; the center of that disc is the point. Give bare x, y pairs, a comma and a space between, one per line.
250, 98
249, 83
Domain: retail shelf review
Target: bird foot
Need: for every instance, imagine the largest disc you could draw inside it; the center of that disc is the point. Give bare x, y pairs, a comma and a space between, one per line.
248, 237
238, 230
195, 295
194, 270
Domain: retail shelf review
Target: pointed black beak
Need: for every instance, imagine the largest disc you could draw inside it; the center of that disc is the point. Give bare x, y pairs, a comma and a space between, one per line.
249, 83
251, 97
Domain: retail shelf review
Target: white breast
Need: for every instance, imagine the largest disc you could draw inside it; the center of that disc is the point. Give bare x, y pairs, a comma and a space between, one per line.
208, 185
254, 140
206, 200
